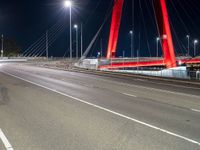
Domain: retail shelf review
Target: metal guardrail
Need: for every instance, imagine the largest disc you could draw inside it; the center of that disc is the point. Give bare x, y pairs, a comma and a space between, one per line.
181, 74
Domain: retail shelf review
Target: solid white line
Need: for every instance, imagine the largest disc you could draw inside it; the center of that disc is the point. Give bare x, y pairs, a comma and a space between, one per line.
195, 110
129, 95
5, 141
110, 111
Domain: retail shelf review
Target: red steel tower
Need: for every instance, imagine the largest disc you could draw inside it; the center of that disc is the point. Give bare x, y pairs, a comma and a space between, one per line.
163, 27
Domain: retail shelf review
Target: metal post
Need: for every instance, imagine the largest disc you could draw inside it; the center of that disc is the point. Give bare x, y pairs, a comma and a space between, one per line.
2, 48
77, 42
157, 42
137, 59
123, 58
133, 25
70, 9
131, 44
157, 48
101, 47
47, 45
81, 39
195, 42
188, 37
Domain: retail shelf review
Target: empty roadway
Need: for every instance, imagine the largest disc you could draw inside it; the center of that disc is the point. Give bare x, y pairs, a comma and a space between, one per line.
43, 108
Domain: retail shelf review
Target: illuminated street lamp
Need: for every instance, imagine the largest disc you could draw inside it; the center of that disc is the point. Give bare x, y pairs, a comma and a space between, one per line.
188, 38
2, 45
76, 27
157, 42
68, 4
195, 43
131, 33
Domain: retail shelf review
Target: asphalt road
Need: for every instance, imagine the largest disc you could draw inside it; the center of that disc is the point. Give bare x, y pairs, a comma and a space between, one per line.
46, 109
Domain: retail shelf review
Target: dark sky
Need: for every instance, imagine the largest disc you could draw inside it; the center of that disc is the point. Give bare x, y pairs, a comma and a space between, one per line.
26, 21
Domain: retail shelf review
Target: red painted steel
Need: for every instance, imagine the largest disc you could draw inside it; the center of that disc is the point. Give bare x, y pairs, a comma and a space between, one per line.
191, 61
163, 26
165, 33
149, 63
114, 29
133, 64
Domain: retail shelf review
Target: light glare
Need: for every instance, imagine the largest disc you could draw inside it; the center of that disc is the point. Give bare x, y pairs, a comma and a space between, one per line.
68, 3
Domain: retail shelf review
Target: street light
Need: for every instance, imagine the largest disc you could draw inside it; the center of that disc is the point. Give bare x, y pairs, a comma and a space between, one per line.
2, 45
68, 4
188, 37
195, 43
76, 27
81, 39
131, 33
157, 42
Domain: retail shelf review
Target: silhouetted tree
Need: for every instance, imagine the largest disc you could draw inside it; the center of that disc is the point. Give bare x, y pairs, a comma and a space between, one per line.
11, 48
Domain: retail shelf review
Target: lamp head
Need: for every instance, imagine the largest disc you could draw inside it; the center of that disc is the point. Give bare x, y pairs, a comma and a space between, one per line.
195, 41
67, 3
75, 26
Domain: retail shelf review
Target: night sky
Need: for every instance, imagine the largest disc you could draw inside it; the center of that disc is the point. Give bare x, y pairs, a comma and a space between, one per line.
26, 21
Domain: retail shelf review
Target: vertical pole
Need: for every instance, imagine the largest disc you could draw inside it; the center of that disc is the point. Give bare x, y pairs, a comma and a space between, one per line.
132, 44
123, 58
194, 48
157, 48
188, 44
77, 42
70, 9
81, 39
137, 59
157, 42
2, 46
101, 47
47, 45
133, 24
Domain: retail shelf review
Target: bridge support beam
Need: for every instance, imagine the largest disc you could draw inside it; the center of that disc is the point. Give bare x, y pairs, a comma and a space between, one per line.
114, 29
165, 33
163, 27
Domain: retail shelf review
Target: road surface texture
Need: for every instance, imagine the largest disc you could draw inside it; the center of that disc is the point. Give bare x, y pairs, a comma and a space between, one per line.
46, 109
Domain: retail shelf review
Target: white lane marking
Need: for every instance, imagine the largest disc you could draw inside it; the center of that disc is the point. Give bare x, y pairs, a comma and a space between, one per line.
129, 95
110, 111
137, 86
149, 88
195, 110
5, 141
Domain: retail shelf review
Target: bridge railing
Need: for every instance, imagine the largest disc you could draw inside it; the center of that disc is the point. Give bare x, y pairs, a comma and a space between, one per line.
182, 74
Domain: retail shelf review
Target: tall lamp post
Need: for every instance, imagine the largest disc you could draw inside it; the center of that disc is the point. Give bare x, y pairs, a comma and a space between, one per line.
157, 44
132, 53
188, 38
47, 45
76, 28
81, 39
195, 43
68, 4
2, 45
